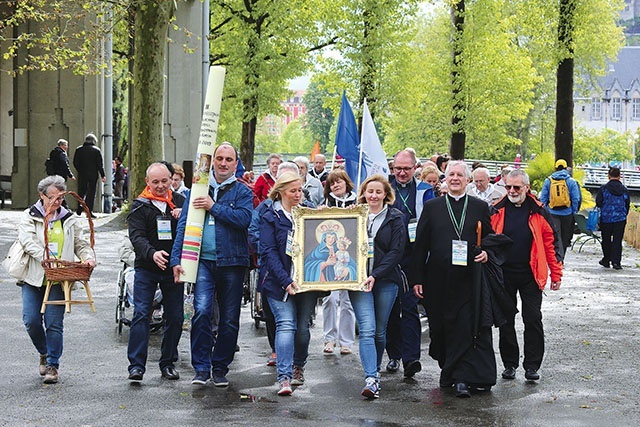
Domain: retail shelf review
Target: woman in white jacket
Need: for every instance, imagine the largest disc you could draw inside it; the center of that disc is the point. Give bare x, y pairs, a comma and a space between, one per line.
66, 240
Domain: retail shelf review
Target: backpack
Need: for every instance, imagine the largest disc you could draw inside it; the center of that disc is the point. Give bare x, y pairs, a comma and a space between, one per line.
559, 194
48, 165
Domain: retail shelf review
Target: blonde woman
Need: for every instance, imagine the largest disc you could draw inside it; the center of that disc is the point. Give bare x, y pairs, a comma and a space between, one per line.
292, 311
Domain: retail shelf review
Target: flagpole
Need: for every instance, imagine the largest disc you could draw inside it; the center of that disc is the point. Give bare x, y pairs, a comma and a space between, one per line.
364, 107
333, 159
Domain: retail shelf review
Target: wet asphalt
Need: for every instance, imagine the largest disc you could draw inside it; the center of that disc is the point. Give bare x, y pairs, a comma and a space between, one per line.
589, 374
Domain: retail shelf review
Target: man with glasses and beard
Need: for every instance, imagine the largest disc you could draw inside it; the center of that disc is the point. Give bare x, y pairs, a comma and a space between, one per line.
535, 251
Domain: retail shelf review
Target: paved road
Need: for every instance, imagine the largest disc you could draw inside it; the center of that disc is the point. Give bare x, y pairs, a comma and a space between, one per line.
589, 375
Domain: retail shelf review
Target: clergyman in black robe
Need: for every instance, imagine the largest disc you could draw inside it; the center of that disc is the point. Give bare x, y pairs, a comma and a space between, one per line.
446, 224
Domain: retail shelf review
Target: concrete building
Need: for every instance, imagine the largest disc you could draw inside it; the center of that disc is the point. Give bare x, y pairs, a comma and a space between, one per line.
37, 108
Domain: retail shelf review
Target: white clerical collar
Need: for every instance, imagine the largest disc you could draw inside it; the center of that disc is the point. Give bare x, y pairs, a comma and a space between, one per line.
457, 198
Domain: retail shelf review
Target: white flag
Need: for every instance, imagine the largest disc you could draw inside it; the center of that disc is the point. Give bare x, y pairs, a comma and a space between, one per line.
373, 158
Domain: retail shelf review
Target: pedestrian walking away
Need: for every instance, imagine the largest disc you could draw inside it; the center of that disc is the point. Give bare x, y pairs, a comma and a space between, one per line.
614, 202
561, 195
58, 162
88, 162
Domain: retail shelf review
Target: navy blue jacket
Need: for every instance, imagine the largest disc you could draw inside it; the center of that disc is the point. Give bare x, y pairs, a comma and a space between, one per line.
232, 212
275, 264
389, 246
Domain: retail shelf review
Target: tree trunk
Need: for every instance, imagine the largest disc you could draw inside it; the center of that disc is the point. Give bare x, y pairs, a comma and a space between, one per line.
564, 84
458, 136
151, 25
248, 141
368, 78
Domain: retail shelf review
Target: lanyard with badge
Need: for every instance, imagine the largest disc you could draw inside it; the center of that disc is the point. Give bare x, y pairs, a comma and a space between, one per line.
413, 222
164, 228
458, 247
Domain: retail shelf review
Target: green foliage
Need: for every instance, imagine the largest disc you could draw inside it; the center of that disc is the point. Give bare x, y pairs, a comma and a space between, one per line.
295, 139
540, 168
319, 117
602, 147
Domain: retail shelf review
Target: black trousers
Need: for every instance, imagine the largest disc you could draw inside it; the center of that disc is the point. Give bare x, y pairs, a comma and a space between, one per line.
87, 191
522, 282
565, 224
612, 234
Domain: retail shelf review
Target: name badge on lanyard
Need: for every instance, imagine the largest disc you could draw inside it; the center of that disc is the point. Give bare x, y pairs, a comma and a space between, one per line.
164, 229
289, 249
370, 251
411, 229
459, 252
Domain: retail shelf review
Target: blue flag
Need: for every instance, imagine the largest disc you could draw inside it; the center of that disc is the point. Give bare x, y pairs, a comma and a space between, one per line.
348, 140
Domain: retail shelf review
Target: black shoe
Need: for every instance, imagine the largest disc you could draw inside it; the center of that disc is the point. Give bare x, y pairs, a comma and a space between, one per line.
136, 374
604, 263
617, 267
509, 373
462, 390
445, 380
412, 368
532, 375
220, 379
393, 365
170, 373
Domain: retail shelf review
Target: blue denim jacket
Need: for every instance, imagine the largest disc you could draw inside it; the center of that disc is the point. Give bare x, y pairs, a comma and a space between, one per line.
232, 212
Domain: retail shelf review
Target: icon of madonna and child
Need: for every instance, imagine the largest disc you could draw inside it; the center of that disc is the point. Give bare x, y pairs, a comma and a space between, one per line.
332, 260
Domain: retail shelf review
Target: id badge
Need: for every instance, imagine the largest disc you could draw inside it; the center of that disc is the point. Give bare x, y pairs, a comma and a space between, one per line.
53, 249
212, 220
289, 250
411, 228
370, 251
164, 229
459, 252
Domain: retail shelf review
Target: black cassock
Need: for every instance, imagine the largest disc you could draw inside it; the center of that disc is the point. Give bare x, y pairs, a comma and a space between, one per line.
447, 290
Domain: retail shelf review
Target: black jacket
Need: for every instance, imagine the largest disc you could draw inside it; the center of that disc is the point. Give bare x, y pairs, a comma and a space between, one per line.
388, 248
60, 163
143, 232
88, 161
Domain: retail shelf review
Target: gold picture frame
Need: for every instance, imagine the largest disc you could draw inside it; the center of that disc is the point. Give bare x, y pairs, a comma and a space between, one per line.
343, 264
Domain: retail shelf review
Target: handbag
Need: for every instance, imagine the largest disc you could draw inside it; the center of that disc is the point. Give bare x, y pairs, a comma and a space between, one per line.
16, 262
593, 219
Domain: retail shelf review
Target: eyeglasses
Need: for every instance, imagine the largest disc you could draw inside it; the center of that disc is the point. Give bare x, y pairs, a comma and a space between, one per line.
56, 199
399, 169
515, 187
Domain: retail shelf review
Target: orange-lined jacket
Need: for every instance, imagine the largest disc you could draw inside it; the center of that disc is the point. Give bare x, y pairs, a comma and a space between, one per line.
544, 255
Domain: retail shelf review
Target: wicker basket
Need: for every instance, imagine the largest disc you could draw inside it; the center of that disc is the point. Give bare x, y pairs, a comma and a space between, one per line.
59, 270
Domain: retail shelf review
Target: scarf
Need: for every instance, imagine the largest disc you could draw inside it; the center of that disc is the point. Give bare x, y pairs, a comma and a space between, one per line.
168, 199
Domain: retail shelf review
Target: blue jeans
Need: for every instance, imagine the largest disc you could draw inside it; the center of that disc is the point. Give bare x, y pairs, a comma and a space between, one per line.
226, 284
144, 290
292, 330
372, 314
47, 337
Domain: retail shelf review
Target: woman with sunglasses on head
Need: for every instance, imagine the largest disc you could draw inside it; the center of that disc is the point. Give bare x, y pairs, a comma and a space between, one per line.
66, 241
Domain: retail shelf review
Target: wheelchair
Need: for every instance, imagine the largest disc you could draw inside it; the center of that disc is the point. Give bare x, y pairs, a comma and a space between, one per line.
124, 301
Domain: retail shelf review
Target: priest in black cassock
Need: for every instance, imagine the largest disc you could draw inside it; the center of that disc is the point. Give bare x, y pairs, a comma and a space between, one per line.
442, 275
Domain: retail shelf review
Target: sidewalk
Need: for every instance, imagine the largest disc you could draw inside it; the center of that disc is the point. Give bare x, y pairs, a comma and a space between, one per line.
589, 373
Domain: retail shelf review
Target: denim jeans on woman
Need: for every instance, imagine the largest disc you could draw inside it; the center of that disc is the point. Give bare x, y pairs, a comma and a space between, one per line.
292, 331
372, 314
47, 337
